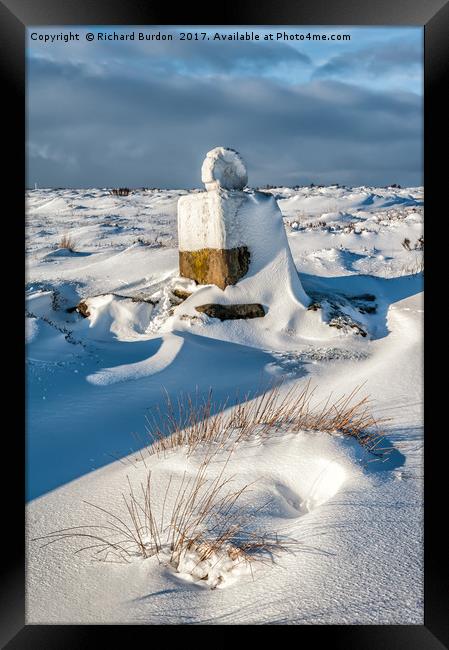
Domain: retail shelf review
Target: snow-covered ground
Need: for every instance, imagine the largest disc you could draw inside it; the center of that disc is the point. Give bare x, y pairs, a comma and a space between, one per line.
93, 380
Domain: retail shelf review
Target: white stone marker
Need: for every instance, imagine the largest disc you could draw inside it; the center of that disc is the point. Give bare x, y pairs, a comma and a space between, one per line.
211, 250
228, 236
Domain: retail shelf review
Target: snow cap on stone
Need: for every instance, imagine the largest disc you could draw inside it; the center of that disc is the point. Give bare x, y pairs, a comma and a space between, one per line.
224, 168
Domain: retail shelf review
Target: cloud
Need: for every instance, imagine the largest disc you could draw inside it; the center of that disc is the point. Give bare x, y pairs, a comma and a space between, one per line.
106, 127
190, 58
45, 152
385, 59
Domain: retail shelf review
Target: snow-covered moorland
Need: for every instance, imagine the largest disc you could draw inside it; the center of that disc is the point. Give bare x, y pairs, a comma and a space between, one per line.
327, 525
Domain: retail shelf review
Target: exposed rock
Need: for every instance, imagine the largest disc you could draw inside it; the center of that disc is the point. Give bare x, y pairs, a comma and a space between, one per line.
181, 294
232, 312
190, 319
221, 267
365, 297
83, 309
150, 301
338, 310
343, 322
360, 301
367, 309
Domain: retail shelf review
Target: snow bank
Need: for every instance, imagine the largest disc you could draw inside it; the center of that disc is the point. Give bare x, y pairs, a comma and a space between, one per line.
115, 316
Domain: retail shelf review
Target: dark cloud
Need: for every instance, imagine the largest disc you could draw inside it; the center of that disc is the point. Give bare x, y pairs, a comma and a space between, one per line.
380, 58
87, 128
223, 56
192, 58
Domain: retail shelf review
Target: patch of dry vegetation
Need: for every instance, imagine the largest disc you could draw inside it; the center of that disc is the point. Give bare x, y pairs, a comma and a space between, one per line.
189, 421
67, 242
205, 533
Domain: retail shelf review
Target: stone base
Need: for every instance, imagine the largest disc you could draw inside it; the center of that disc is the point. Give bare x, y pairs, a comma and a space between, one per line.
221, 267
232, 312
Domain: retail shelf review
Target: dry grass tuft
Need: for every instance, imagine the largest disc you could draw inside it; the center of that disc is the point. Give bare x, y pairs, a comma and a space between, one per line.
205, 523
120, 191
190, 421
67, 242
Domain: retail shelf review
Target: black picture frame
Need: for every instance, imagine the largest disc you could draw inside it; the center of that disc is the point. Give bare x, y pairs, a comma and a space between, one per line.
15, 16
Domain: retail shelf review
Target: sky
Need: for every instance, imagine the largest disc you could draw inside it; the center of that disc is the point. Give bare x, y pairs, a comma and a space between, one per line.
145, 113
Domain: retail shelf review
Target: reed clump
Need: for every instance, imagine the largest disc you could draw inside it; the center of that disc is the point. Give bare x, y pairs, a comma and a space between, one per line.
190, 420
199, 527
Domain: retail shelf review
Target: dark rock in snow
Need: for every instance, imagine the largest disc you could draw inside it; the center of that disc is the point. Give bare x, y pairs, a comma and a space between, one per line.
366, 297
181, 294
343, 322
83, 309
232, 312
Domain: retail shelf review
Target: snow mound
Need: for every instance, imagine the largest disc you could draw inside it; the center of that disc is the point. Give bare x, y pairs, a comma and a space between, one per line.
112, 316
130, 371
224, 168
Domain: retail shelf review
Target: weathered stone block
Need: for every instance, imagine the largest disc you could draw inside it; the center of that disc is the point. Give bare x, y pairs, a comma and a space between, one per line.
221, 267
232, 312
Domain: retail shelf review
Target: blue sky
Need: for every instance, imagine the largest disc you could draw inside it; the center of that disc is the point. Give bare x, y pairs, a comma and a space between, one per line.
144, 113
